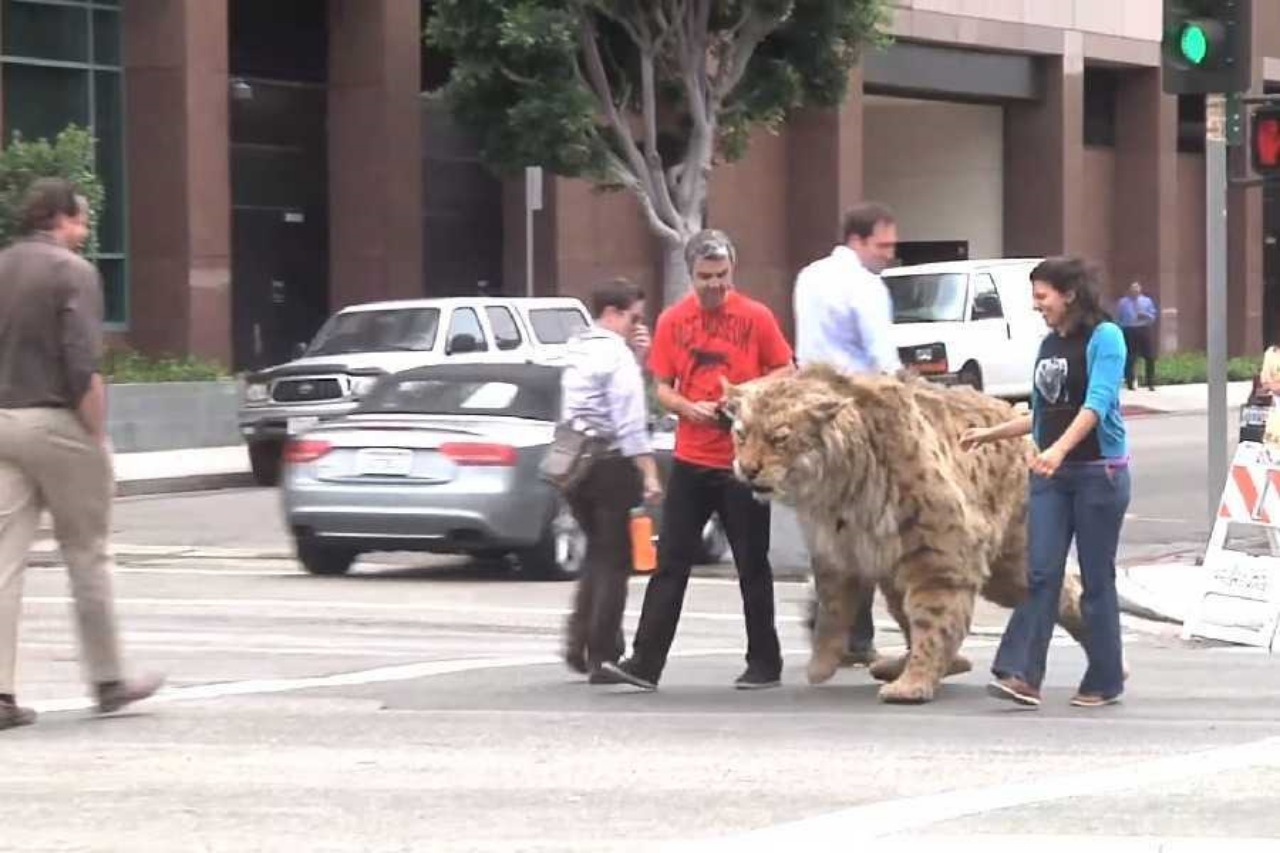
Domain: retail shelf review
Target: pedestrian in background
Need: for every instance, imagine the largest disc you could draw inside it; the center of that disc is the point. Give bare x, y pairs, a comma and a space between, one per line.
1079, 487
603, 391
1136, 314
54, 452
714, 333
844, 317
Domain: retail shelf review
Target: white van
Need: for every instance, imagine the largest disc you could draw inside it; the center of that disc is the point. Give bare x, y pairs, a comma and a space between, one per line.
968, 322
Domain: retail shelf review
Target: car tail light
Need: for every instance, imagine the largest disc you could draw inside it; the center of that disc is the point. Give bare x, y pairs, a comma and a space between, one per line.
477, 453
305, 450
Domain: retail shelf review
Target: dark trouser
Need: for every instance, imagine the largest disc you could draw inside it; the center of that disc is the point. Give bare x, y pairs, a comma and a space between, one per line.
693, 494
1088, 502
602, 505
1140, 343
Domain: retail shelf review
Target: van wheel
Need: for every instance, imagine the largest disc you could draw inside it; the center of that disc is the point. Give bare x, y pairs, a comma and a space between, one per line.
971, 375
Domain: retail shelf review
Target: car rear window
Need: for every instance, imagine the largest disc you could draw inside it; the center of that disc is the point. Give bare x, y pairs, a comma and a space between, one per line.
928, 298
459, 397
385, 330
555, 325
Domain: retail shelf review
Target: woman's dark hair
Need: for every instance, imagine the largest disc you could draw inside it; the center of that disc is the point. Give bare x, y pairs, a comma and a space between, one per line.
618, 293
45, 201
1072, 276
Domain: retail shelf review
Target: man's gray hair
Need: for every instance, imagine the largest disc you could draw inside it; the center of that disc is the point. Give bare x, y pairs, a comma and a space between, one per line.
709, 244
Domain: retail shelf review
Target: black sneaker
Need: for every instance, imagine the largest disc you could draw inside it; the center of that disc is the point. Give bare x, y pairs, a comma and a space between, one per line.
12, 716
622, 672
757, 679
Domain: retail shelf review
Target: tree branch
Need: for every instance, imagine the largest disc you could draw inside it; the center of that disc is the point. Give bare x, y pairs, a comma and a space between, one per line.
746, 37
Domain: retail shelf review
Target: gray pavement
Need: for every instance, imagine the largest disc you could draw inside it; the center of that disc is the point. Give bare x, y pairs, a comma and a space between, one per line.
400, 710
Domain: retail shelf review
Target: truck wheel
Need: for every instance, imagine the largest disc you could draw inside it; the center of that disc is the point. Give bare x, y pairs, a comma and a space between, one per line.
971, 375
265, 460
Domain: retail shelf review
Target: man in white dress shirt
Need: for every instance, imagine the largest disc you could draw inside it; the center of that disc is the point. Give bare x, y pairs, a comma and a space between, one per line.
844, 316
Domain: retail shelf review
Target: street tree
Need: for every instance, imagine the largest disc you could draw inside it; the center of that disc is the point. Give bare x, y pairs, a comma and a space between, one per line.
643, 95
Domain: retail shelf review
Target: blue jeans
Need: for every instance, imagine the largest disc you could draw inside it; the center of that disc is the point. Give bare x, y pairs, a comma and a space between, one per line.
1089, 503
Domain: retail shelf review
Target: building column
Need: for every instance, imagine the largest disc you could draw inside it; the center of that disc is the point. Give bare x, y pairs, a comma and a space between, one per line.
1146, 197
825, 169
177, 153
375, 151
1044, 160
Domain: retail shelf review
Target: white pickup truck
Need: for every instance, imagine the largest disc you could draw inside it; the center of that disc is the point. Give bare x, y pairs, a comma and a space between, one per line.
362, 343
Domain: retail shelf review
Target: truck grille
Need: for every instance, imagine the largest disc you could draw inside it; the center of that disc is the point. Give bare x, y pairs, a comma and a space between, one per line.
306, 390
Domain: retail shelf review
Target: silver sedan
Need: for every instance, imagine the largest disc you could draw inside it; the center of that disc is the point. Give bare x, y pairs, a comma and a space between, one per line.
442, 459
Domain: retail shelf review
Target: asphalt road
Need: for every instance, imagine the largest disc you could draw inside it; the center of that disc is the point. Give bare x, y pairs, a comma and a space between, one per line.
425, 709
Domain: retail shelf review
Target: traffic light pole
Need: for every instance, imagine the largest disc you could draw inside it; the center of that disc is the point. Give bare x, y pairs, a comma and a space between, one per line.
1215, 161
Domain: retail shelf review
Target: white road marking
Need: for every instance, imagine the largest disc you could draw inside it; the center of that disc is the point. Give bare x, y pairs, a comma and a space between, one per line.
895, 818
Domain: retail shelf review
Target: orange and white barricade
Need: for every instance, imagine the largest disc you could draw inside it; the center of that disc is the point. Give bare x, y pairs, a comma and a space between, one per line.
1239, 601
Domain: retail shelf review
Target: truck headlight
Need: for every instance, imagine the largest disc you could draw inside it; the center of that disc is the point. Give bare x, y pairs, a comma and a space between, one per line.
257, 392
361, 385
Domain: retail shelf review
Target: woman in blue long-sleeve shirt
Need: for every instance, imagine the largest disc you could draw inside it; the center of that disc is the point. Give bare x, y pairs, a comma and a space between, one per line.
1079, 487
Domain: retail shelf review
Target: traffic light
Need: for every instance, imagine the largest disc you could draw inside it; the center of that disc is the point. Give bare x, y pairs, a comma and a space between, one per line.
1264, 141
1206, 47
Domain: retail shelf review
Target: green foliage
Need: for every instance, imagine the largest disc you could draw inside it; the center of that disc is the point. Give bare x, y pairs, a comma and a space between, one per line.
519, 82
1188, 368
126, 366
69, 156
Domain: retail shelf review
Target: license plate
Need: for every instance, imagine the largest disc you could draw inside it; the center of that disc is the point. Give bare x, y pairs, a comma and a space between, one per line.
384, 462
300, 425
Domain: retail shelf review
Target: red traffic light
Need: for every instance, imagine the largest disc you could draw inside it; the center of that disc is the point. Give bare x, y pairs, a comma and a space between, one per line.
1265, 141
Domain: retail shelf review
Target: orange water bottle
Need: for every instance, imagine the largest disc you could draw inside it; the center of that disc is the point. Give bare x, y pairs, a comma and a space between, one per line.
643, 555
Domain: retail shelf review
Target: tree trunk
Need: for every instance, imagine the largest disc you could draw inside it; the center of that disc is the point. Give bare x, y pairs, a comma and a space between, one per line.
675, 274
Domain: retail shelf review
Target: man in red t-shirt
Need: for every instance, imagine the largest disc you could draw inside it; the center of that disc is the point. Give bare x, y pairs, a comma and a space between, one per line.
714, 333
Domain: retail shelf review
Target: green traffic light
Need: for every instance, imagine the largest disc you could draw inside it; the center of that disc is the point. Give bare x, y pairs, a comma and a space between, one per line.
1194, 44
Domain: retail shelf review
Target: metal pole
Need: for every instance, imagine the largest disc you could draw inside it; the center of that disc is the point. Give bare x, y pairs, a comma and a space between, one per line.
1215, 161
528, 250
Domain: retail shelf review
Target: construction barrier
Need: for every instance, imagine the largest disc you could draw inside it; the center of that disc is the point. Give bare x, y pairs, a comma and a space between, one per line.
1239, 601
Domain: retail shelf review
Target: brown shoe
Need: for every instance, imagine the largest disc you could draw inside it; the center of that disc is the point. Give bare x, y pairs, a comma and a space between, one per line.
1015, 690
12, 716
1094, 700
114, 695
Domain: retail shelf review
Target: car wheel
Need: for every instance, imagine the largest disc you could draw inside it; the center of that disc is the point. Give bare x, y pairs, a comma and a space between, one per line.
971, 375
265, 459
326, 560
714, 548
558, 555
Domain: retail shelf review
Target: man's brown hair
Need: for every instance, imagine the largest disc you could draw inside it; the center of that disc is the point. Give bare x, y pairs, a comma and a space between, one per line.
45, 201
862, 219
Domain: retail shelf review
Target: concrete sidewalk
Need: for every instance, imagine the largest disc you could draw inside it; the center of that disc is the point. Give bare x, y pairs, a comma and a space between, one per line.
191, 470
1179, 399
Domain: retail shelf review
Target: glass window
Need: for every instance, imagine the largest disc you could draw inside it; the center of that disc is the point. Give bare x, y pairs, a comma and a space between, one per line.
986, 299
506, 334
388, 330
931, 298
465, 332
38, 31
39, 102
556, 325
114, 293
450, 396
109, 130
106, 37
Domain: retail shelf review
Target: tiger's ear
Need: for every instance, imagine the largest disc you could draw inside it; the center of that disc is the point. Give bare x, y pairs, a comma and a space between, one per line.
828, 410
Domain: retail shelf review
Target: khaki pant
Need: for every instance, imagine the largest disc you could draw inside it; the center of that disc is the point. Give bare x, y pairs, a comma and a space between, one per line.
48, 461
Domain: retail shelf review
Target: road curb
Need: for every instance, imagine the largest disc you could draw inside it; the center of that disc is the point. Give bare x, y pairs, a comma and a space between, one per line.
177, 485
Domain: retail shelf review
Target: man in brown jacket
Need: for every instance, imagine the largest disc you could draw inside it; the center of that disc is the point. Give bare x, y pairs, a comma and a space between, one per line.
53, 443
